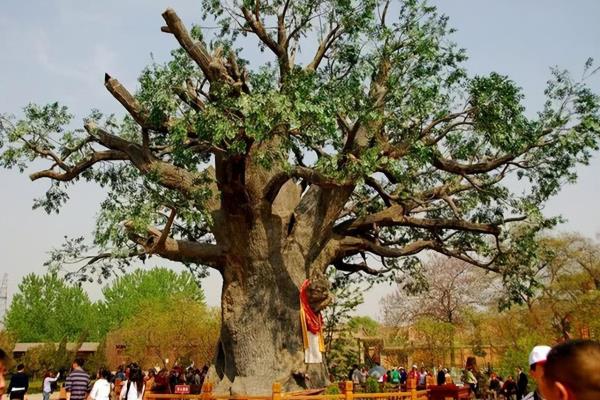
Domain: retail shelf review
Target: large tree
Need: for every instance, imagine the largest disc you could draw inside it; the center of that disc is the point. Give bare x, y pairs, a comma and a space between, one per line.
358, 136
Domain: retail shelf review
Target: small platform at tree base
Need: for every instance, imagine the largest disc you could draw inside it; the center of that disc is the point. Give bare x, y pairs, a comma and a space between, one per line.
441, 392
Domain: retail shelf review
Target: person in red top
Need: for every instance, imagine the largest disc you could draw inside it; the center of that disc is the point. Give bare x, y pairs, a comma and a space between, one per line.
413, 373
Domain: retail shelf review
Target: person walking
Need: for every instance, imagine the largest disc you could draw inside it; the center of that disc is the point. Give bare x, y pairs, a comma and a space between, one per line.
19, 384
133, 387
102, 387
49, 378
522, 383
77, 384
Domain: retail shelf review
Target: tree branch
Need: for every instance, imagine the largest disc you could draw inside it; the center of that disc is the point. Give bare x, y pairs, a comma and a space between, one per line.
360, 267
394, 216
73, 171
130, 103
351, 245
213, 69
308, 174
178, 250
165, 232
470, 169
325, 44
259, 29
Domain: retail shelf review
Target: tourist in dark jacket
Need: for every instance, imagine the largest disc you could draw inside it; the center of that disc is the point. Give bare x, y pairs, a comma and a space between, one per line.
441, 376
19, 384
522, 382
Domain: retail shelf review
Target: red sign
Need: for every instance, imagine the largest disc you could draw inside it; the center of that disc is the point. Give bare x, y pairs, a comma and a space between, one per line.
584, 332
182, 389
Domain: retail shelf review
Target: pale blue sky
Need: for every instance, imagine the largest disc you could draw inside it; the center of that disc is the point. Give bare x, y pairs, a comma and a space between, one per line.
60, 49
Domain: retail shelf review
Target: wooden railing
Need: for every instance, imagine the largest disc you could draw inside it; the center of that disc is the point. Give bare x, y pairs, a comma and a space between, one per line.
277, 394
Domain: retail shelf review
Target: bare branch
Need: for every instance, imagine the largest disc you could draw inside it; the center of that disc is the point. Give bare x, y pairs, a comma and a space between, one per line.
259, 29
395, 216
351, 245
212, 69
165, 232
73, 171
325, 44
308, 174
178, 250
456, 167
360, 267
130, 103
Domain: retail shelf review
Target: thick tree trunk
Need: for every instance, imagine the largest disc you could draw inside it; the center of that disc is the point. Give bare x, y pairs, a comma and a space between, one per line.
261, 337
266, 264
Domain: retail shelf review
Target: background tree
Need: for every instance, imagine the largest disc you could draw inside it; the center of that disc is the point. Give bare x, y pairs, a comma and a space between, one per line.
445, 291
376, 146
570, 284
142, 289
343, 350
46, 308
7, 343
40, 358
430, 340
175, 331
346, 296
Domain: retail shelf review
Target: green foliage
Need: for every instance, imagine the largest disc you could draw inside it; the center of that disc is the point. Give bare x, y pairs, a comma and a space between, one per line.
131, 293
332, 389
372, 386
436, 337
98, 360
367, 324
46, 308
49, 356
40, 359
173, 330
340, 325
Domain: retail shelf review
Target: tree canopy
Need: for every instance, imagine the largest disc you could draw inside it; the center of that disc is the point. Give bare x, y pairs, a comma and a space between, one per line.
174, 331
131, 293
382, 123
46, 308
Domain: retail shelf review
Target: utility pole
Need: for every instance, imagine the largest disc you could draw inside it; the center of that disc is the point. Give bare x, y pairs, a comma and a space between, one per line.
3, 299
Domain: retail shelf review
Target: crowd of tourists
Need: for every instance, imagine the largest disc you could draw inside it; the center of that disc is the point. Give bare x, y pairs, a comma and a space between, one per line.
567, 371
126, 383
398, 375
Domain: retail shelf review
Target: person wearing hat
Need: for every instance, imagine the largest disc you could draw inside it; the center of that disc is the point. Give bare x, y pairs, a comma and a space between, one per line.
572, 370
537, 359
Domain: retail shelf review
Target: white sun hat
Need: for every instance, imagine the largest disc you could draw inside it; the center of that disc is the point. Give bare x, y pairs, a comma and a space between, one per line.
539, 354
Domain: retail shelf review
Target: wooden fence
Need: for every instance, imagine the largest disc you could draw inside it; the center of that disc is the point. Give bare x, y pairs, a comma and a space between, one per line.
277, 394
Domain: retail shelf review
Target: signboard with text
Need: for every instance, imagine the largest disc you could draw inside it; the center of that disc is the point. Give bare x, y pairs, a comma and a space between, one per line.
182, 389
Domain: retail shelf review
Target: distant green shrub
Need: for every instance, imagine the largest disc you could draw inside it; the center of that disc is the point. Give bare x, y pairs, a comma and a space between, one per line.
372, 386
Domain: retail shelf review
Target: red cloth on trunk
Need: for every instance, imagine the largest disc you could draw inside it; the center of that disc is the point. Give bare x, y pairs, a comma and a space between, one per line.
314, 321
